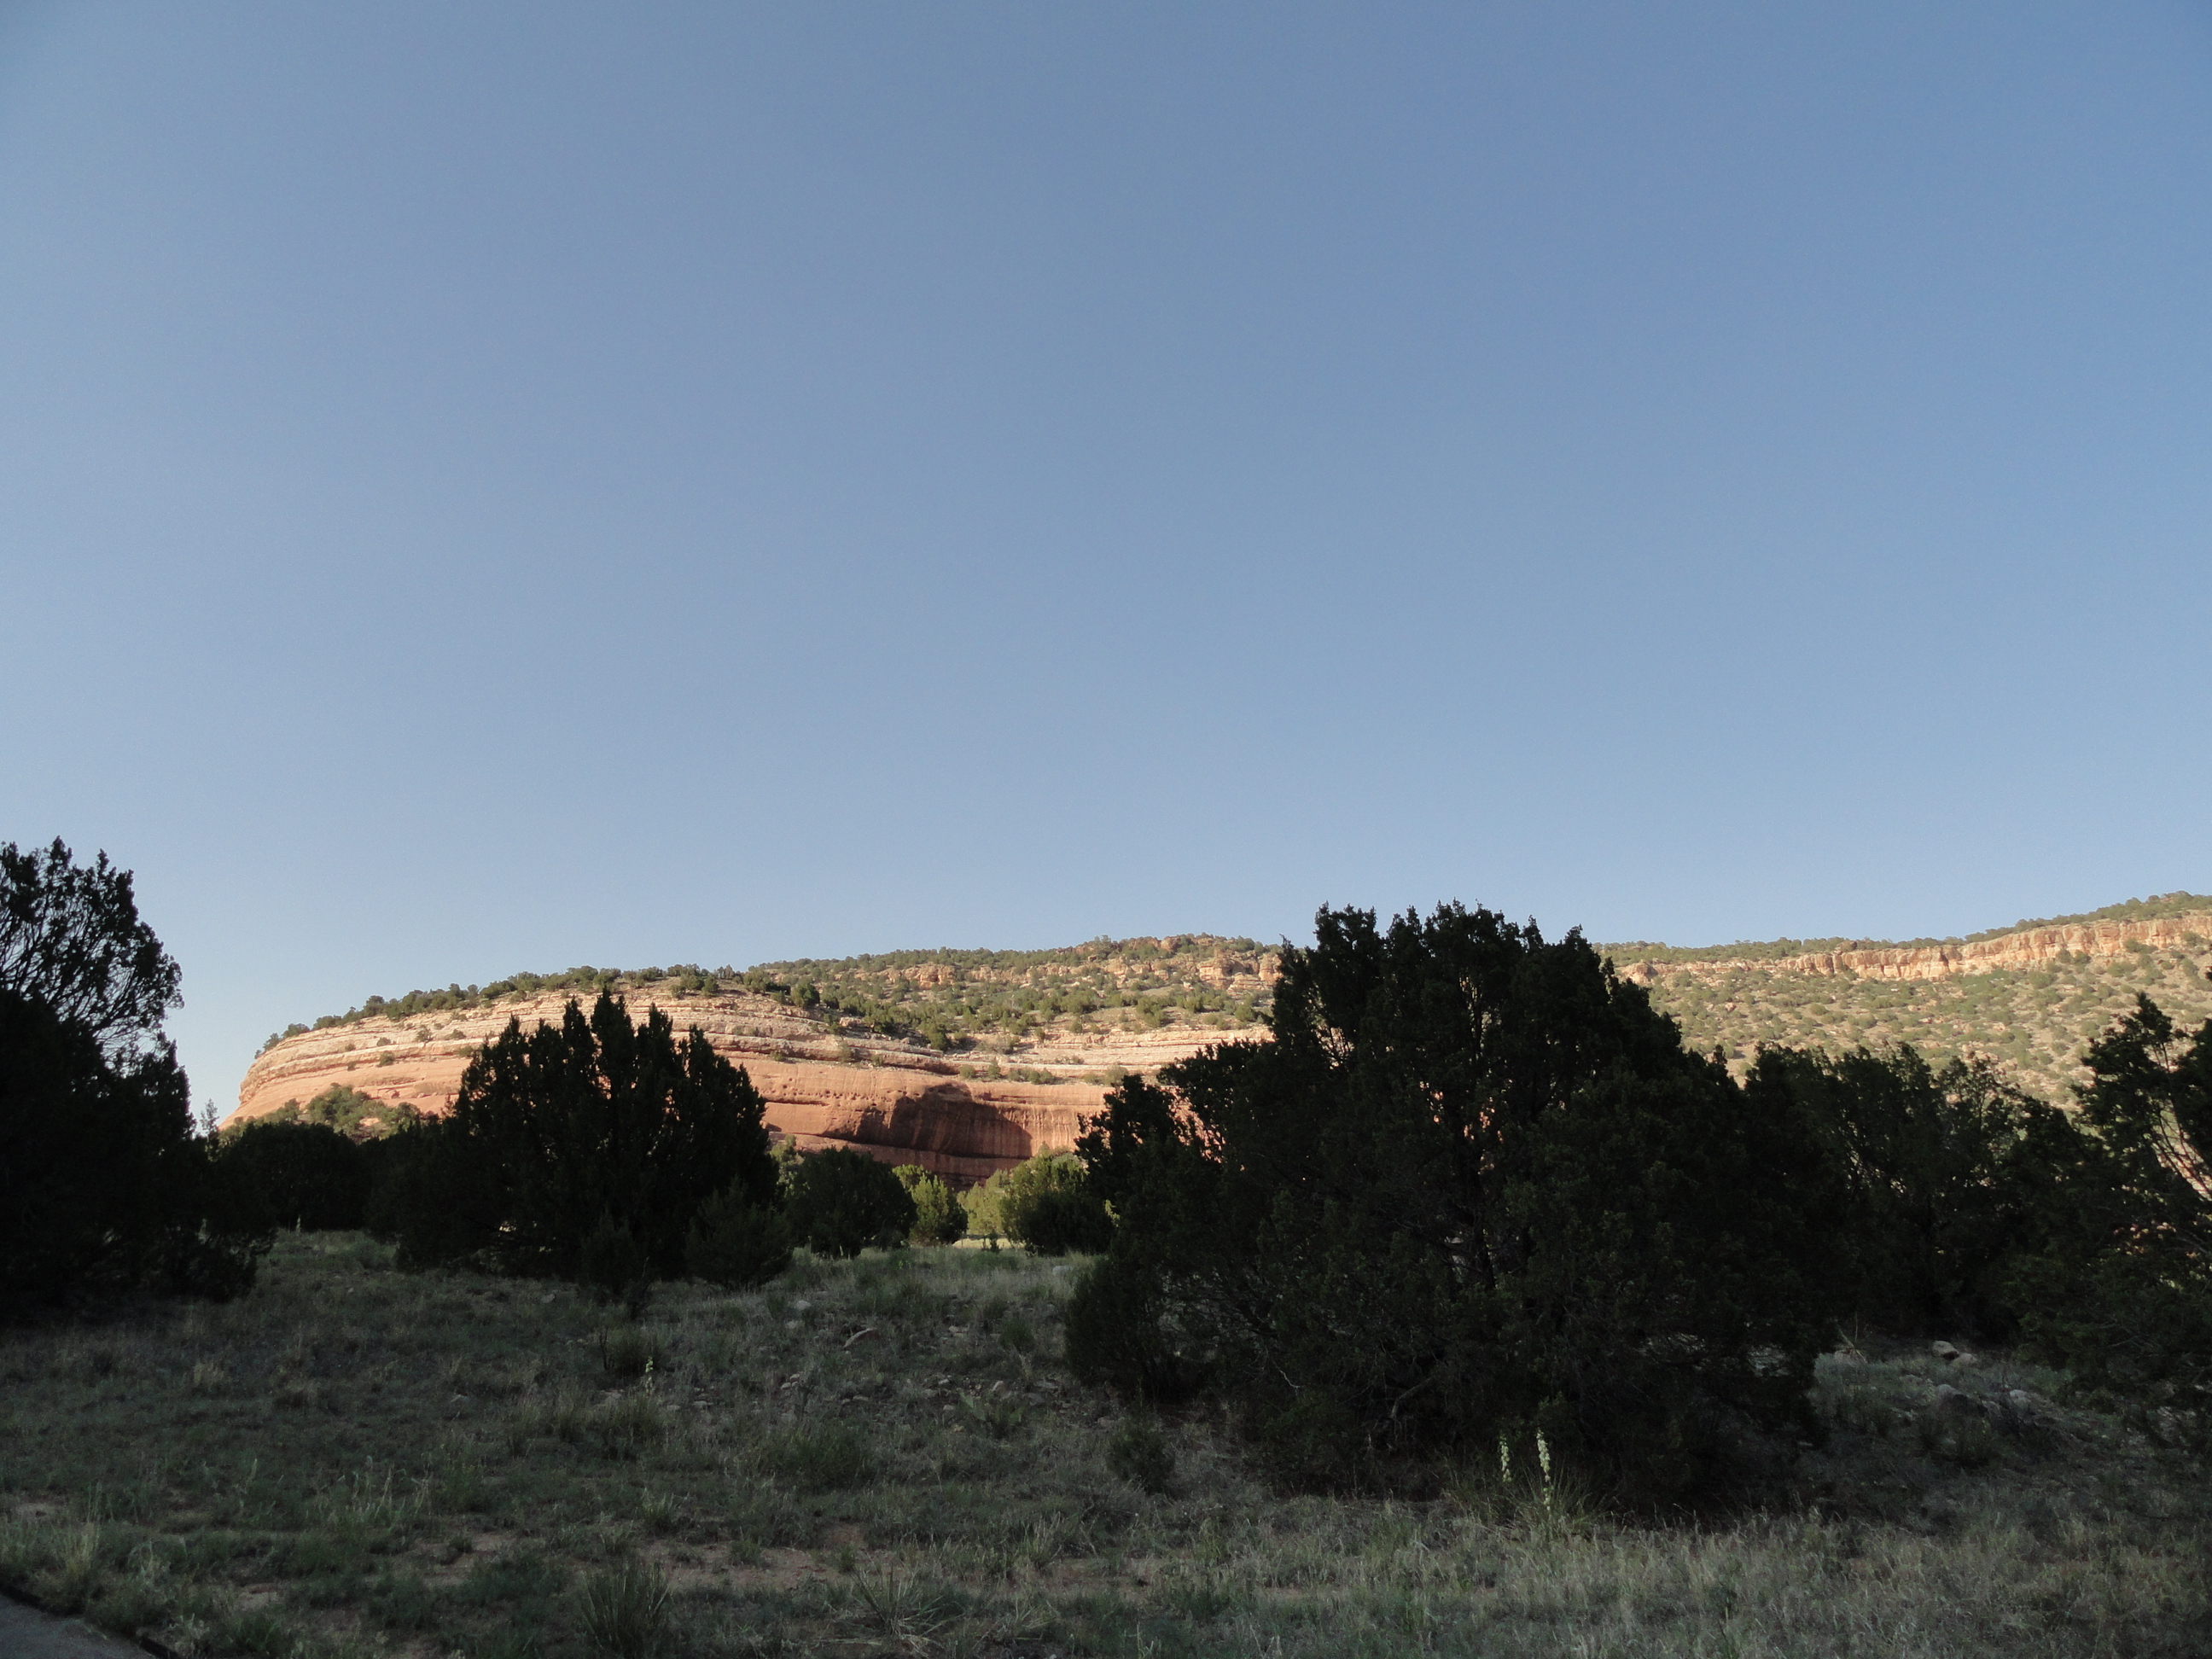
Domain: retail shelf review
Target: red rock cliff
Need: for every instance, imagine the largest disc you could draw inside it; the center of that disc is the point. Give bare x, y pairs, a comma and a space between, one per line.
892, 1100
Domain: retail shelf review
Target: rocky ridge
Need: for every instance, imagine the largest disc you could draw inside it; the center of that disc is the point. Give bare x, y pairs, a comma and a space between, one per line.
2034, 947
2030, 1001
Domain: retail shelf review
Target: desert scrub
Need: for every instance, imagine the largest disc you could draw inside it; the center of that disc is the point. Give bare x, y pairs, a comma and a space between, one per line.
476, 1477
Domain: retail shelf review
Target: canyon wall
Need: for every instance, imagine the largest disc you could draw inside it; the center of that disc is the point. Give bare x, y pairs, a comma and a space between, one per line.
895, 1100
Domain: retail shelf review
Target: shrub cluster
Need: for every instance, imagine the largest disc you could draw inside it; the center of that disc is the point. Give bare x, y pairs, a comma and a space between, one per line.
938, 1215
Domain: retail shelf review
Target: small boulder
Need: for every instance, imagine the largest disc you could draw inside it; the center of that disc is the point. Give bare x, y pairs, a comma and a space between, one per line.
1957, 1404
1943, 1351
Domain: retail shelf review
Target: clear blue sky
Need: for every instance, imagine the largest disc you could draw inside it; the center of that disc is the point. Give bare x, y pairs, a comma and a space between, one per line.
495, 487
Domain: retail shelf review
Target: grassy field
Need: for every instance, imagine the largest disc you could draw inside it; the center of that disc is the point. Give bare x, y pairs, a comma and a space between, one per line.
885, 1456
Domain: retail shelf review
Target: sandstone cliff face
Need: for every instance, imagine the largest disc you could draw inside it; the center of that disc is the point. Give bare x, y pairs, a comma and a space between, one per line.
2032, 947
893, 1100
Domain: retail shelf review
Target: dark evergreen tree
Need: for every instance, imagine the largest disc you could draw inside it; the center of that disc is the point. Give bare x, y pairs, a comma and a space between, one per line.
839, 1202
307, 1175
103, 1185
70, 939
1474, 1187
88, 1152
553, 1129
1938, 1207
2122, 1291
736, 1243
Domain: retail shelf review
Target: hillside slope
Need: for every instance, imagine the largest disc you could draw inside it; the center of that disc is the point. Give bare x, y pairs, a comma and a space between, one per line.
2031, 999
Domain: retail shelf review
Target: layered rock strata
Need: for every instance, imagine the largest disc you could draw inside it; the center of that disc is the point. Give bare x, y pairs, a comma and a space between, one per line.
2030, 947
823, 1087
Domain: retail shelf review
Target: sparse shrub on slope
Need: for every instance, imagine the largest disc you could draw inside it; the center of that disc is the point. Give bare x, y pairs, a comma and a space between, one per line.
553, 1130
839, 1202
1474, 1184
356, 1116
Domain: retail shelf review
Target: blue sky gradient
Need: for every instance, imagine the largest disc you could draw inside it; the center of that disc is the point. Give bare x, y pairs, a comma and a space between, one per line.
487, 487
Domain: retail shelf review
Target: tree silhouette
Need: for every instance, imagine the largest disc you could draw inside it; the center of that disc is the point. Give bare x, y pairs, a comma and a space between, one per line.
555, 1128
1474, 1187
71, 939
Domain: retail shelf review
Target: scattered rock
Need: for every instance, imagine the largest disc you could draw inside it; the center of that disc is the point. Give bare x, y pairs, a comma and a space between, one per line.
1943, 1351
1957, 1403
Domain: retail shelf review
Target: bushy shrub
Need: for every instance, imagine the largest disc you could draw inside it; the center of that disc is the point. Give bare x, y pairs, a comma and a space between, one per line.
1141, 1455
1925, 1172
1121, 1332
736, 1243
1045, 1203
1049, 1208
839, 1202
305, 1175
612, 1263
938, 1218
1473, 1183
980, 1204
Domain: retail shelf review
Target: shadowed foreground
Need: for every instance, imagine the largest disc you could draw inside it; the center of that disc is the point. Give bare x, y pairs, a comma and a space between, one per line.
885, 1455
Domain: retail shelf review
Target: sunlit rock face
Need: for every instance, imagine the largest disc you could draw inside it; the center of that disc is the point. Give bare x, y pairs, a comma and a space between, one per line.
896, 1101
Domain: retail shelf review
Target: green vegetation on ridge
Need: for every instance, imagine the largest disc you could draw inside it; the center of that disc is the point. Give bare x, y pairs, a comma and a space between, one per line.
2033, 1022
947, 998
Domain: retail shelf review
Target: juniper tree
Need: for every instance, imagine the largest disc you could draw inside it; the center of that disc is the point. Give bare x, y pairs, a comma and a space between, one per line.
1473, 1187
103, 1184
554, 1129
71, 940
